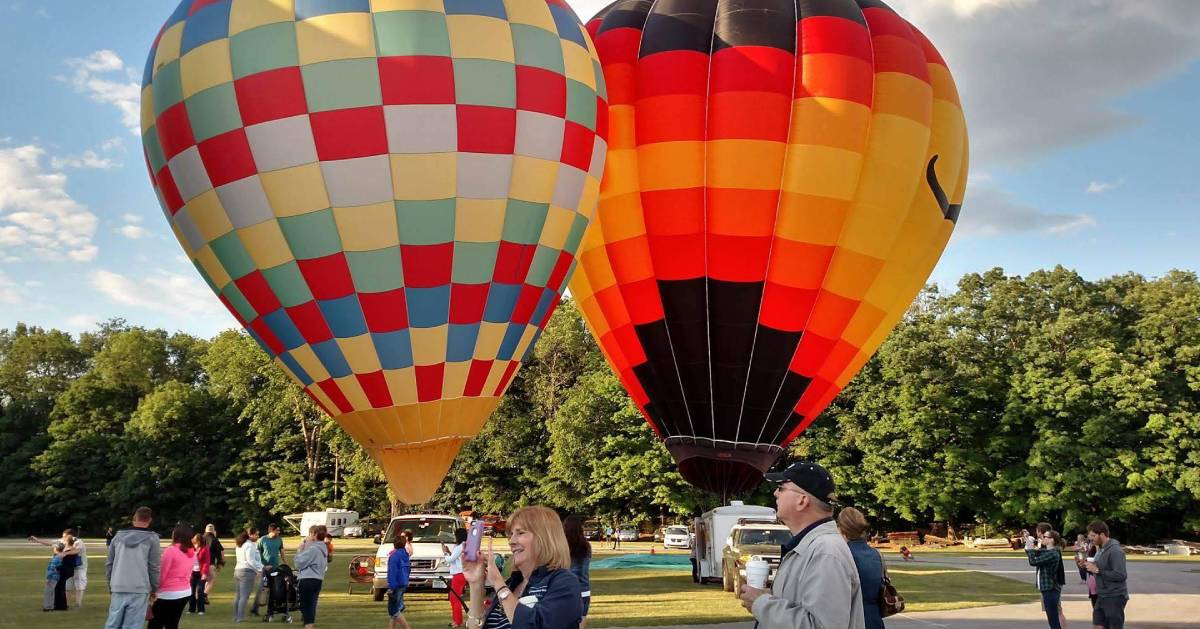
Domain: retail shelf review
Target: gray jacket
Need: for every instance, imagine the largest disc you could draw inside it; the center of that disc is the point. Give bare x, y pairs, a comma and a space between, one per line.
133, 561
311, 561
1110, 559
817, 586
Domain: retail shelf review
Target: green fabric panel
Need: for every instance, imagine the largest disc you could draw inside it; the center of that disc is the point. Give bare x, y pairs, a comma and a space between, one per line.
376, 271
411, 33
542, 265
523, 221
342, 84
264, 48
601, 86
312, 235
575, 236
204, 275
233, 255
474, 262
154, 152
485, 82
537, 48
288, 284
581, 104
167, 87
213, 112
239, 302
425, 222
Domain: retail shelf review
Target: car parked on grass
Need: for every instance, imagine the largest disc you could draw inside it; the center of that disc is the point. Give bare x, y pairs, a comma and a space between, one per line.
627, 534
677, 537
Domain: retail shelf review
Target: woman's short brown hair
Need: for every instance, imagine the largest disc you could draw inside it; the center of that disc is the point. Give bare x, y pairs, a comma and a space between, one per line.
852, 523
182, 536
547, 529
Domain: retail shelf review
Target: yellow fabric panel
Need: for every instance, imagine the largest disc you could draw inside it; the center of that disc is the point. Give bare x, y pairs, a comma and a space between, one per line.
525, 340
531, 13
497, 372
360, 353
894, 169
297, 190
266, 245
454, 378
487, 344
744, 164
533, 179
353, 392
805, 218
247, 14
599, 270
309, 361
479, 220
169, 46
209, 215
367, 227
865, 321
414, 474
147, 109
822, 171
480, 37
423, 177
620, 173
943, 84
557, 227
830, 122
950, 141
850, 273
622, 218
589, 198
427, 429
212, 266
287, 370
905, 95
671, 165
335, 36
320, 395
402, 384
379, 6
205, 67
578, 63
429, 345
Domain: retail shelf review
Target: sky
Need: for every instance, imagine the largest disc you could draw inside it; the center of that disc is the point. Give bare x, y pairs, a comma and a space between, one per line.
1082, 114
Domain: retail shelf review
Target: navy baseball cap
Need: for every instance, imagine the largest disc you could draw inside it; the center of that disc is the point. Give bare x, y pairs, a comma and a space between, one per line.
810, 477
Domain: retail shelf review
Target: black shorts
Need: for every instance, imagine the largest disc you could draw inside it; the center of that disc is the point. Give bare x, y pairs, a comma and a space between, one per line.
1109, 612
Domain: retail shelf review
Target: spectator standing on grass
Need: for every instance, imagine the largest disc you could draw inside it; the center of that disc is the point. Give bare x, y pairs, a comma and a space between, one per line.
581, 561
398, 568
247, 570
817, 585
201, 567
270, 550
52, 576
867, 560
1081, 555
311, 563
1091, 578
216, 554
1112, 590
72, 564
1050, 574
453, 559
175, 586
132, 571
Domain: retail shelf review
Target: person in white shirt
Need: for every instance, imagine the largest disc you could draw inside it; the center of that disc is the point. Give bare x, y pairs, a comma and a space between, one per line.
453, 557
247, 570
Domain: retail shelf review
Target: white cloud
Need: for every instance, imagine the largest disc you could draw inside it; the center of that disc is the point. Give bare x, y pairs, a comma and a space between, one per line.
113, 144
1100, 187
88, 159
94, 76
992, 211
33, 284
10, 293
131, 218
83, 321
169, 293
37, 215
133, 232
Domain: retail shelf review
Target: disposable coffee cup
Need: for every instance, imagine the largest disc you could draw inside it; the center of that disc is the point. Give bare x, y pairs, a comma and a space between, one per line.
757, 571
1091, 560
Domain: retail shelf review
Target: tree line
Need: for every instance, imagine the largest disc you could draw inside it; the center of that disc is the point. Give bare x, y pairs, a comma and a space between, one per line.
1007, 401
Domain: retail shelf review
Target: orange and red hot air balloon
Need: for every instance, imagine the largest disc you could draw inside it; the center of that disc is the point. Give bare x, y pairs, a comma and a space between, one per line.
782, 176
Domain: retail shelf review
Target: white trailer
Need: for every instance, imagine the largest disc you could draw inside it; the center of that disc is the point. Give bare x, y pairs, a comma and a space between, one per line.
712, 536
335, 520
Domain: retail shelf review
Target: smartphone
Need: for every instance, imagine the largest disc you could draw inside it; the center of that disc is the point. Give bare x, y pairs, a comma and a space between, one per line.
474, 539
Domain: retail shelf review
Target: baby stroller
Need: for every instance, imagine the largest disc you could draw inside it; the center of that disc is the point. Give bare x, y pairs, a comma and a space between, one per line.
280, 583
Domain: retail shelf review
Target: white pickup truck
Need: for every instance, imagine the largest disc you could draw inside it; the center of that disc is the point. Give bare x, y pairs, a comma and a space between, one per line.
429, 532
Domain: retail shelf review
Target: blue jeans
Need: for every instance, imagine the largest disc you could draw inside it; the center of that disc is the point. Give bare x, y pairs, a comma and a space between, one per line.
395, 602
1052, 600
126, 610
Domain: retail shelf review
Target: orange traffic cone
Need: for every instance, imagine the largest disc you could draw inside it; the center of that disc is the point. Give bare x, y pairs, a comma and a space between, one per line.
651, 550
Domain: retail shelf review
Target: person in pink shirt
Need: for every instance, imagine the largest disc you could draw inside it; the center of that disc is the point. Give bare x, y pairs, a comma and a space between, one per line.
201, 565
174, 582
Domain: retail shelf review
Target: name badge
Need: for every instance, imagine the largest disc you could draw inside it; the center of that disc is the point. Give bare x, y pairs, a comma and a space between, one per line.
528, 601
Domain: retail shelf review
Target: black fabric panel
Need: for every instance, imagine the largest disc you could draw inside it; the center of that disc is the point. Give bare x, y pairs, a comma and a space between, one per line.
624, 14
683, 309
770, 23
659, 379
832, 8
773, 351
874, 4
679, 25
733, 314
783, 418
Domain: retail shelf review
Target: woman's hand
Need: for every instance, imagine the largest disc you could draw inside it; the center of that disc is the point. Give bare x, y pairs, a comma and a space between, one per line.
475, 572
495, 579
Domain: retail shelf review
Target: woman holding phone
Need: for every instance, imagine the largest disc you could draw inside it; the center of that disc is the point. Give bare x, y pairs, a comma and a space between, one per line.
311, 561
542, 592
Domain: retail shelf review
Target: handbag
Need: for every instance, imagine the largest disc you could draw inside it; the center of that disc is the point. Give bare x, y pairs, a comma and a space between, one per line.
891, 602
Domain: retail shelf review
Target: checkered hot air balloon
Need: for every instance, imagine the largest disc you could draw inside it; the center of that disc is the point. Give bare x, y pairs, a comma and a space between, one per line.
387, 194
782, 176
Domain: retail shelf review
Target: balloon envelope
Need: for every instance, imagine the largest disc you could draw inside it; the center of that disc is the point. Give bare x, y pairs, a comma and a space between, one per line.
387, 194
781, 179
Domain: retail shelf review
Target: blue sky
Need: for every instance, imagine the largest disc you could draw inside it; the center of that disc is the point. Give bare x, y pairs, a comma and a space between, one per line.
1085, 144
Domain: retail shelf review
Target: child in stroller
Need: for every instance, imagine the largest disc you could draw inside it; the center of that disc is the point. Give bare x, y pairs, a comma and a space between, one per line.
280, 584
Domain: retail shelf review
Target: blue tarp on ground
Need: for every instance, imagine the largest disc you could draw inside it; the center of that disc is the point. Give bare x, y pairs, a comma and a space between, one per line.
644, 561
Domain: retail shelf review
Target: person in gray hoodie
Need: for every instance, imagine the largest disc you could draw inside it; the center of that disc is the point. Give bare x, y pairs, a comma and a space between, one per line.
132, 570
817, 586
1112, 591
311, 562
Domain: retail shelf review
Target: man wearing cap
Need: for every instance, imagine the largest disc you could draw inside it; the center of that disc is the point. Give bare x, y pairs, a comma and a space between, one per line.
817, 584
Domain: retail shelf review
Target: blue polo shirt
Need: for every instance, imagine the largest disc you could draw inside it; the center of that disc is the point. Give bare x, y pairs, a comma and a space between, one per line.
398, 569
550, 601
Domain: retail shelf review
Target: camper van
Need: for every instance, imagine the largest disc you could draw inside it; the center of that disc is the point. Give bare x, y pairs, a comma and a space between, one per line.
334, 520
712, 535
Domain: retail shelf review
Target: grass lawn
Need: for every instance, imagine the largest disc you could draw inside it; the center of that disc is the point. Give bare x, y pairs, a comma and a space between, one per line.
621, 598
